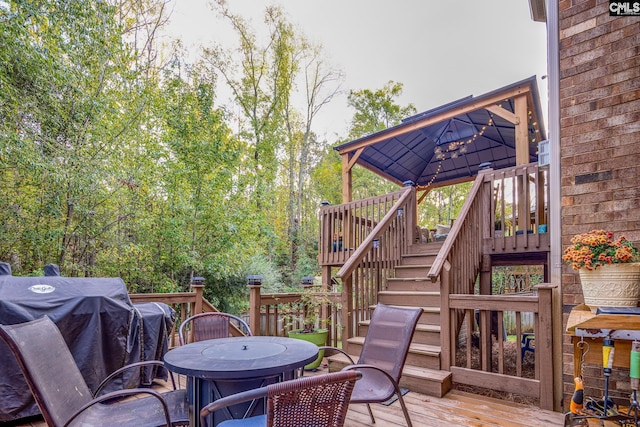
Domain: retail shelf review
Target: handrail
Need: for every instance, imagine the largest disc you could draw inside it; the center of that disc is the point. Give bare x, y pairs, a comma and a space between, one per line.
344, 227
366, 271
447, 246
366, 245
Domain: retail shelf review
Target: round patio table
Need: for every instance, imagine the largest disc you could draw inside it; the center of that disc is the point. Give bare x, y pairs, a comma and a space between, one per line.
221, 367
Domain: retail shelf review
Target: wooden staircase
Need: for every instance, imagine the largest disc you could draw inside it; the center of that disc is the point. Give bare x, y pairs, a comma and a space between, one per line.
410, 285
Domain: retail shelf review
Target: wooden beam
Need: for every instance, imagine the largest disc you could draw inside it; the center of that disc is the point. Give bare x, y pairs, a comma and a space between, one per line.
522, 131
355, 157
482, 103
347, 179
504, 113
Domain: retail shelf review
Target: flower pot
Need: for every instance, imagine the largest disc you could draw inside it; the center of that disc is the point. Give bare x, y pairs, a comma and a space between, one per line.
319, 338
611, 285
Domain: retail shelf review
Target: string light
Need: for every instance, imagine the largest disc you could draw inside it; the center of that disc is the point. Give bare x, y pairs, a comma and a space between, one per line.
455, 149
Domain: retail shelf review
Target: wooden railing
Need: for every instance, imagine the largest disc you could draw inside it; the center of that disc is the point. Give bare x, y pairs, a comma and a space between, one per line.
478, 367
265, 316
366, 271
185, 304
517, 204
278, 313
462, 249
516, 199
344, 228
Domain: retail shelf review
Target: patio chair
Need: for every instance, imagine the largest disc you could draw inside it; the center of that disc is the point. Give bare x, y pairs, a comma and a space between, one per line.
318, 401
526, 343
62, 394
383, 356
206, 326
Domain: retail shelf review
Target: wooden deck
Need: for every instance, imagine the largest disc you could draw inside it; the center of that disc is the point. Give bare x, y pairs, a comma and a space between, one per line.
457, 408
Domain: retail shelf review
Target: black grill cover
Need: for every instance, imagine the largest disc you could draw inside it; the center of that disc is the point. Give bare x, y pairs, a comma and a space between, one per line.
101, 326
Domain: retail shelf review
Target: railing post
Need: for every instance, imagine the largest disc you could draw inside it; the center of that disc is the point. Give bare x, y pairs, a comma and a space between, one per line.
412, 214
254, 283
544, 344
197, 286
347, 311
445, 319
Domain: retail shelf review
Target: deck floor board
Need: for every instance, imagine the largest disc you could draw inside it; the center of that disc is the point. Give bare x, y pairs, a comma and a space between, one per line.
457, 408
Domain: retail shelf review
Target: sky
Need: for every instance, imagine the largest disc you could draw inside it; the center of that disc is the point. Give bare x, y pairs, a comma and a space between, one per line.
440, 51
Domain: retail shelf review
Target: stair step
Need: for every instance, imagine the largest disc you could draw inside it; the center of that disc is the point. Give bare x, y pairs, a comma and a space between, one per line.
419, 327
421, 355
418, 259
421, 298
432, 382
428, 248
412, 271
430, 315
412, 284
424, 334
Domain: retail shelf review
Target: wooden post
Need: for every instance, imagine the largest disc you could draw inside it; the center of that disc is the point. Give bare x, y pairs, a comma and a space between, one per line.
522, 130
412, 214
485, 317
347, 311
447, 337
347, 179
197, 286
544, 344
254, 283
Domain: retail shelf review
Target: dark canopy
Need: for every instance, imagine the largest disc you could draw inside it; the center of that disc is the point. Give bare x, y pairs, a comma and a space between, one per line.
448, 144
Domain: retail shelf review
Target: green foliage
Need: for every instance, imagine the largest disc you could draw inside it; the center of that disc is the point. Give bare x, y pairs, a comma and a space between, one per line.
377, 110
117, 161
271, 277
515, 279
442, 205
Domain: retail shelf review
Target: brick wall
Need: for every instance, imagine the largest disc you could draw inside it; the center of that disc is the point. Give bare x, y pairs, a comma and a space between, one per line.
600, 143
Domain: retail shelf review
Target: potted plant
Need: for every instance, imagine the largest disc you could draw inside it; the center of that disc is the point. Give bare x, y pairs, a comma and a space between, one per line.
608, 268
312, 299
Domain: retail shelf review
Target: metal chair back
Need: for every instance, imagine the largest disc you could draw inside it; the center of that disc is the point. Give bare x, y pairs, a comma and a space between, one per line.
62, 394
49, 368
211, 325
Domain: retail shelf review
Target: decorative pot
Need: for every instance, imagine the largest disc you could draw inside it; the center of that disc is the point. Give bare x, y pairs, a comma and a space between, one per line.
319, 338
611, 285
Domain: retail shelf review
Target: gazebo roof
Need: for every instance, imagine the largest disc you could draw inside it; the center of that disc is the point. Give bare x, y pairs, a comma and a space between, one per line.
448, 144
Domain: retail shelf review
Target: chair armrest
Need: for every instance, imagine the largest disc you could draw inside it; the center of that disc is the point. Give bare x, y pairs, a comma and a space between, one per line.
233, 399
132, 366
363, 366
339, 350
124, 393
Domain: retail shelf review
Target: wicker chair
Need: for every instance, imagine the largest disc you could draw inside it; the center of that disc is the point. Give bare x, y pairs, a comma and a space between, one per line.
62, 394
206, 326
383, 356
318, 401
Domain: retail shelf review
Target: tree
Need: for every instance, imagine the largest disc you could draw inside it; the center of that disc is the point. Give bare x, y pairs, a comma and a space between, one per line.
67, 69
377, 110
374, 111
320, 84
264, 81
260, 80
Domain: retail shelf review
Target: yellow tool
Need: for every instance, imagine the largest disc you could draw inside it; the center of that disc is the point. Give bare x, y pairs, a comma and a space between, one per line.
607, 364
